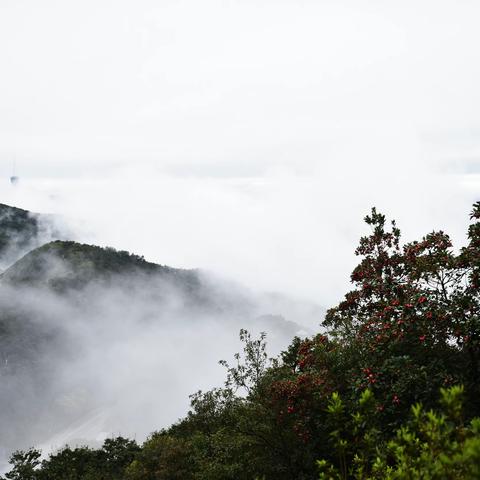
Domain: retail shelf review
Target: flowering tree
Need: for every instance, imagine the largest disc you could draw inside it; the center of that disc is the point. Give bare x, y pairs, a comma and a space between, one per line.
413, 317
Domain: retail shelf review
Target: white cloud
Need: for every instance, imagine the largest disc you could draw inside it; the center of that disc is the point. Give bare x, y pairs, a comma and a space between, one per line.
245, 137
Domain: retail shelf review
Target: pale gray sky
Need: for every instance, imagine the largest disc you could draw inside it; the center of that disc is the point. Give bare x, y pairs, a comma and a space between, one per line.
248, 137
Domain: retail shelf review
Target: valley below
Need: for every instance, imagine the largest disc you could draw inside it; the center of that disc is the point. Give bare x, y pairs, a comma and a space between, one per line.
96, 342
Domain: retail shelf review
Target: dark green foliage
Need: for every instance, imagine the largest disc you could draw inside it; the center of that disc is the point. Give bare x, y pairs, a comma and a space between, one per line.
80, 463
162, 457
430, 444
412, 321
358, 401
22, 231
24, 465
19, 233
69, 267
17, 227
65, 265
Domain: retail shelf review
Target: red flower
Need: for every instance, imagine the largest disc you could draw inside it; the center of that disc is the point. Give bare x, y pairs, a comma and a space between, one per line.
422, 338
422, 299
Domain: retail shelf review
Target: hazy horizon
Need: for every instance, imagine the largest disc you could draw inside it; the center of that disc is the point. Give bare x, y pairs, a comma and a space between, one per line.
247, 138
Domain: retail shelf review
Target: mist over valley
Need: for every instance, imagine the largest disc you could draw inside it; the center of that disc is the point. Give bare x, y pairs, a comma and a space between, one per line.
96, 342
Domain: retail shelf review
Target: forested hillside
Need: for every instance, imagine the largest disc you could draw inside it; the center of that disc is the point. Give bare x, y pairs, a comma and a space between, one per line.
390, 389
21, 231
68, 266
74, 318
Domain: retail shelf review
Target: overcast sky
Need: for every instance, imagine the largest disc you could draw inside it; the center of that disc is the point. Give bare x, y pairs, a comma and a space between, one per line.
245, 137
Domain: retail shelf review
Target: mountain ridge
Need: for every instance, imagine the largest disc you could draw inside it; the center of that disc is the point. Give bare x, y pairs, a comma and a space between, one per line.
88, 260
75, 317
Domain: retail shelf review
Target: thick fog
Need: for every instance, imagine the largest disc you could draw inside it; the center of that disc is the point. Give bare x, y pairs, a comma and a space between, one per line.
118, 354
246, 139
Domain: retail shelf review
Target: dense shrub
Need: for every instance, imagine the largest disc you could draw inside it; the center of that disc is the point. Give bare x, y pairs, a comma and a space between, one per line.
429, 445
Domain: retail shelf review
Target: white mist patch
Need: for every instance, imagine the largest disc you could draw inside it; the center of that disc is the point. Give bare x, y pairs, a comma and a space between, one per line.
117, 354
287, 233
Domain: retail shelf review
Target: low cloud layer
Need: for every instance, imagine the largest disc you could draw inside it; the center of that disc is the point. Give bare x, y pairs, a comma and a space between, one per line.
116, 354
287, 233
246, 138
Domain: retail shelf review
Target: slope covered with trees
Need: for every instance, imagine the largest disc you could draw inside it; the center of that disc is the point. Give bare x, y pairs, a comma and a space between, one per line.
22, 231
389, 389
68, 265
71, 319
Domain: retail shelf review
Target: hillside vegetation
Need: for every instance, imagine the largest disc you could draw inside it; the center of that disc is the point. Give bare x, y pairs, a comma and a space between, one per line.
22, 231
17, 229
69, 265
70, 315
390, 389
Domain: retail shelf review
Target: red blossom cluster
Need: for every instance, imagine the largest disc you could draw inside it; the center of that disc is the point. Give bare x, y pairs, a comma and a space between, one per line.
371, 377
